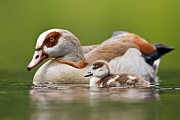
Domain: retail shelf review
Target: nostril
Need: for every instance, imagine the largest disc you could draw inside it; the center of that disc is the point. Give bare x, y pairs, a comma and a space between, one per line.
37, 56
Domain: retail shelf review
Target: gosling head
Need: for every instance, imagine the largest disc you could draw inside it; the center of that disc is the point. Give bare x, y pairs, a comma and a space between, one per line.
99, 69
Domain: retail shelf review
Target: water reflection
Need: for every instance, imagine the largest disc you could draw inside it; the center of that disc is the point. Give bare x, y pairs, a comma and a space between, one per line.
67, 102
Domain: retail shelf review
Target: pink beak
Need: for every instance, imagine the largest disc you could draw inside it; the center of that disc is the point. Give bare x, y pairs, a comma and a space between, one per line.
38, 57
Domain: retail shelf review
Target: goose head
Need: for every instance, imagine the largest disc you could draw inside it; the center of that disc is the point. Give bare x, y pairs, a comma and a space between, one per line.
61, 45
99, 69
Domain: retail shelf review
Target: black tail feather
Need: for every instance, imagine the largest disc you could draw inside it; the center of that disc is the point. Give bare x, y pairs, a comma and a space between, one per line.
161, 50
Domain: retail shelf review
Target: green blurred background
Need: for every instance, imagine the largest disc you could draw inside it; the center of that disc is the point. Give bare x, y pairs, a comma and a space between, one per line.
92, 21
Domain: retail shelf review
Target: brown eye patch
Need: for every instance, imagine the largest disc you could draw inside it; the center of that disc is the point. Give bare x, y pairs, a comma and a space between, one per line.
97, 65
51, 39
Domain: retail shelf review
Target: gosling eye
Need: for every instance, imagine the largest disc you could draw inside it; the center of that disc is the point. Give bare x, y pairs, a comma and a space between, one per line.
51, 39
95, 67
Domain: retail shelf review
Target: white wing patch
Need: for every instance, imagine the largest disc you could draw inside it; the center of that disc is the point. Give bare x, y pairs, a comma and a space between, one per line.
112, 80
131, 77
101, 85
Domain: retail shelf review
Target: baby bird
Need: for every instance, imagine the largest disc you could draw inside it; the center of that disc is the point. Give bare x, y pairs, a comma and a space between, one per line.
101, 77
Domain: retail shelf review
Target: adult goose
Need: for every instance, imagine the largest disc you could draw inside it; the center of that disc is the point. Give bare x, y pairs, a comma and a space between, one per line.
70, 61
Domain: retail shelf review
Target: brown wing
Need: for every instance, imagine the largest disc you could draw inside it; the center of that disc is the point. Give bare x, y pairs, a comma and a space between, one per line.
108, 50
87, 49
144, 46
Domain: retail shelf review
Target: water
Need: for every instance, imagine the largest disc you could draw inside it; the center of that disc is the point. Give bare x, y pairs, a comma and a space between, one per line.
20, 100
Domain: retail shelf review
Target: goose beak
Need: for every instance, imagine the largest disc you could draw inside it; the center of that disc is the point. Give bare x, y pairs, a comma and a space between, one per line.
38, 57
88, 74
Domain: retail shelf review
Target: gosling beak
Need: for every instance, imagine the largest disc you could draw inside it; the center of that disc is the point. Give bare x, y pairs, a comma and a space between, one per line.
38, 57
88, 74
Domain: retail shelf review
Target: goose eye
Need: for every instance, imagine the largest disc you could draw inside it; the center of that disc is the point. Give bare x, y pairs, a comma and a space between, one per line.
51, 39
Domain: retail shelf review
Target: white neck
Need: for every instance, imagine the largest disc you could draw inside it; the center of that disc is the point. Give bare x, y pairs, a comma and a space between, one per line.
93, 82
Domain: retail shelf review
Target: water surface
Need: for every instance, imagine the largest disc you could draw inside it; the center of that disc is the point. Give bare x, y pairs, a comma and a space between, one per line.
20, 100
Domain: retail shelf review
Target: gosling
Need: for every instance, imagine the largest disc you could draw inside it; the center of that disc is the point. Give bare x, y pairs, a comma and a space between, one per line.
101, 77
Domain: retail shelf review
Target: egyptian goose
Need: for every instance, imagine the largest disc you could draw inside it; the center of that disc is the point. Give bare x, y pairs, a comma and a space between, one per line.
102, 77
69, 63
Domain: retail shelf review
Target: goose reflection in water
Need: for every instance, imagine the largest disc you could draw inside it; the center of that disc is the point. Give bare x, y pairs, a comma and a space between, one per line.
72, 101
